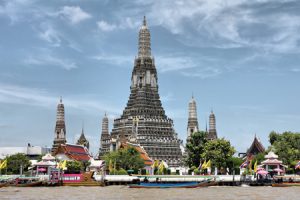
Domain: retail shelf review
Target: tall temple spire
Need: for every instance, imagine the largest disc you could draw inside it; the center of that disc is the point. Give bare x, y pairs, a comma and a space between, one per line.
212, 131
155, 132
60, 127
105, 125
82, 139
144, 41
105, 137
192, 120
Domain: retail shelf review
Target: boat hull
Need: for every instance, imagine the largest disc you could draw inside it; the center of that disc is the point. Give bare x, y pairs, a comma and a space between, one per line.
285, 184
3, 185
173, 185
33, 184
84, 184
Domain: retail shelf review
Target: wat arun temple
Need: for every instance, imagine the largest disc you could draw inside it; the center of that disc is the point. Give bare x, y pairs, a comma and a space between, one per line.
144, 120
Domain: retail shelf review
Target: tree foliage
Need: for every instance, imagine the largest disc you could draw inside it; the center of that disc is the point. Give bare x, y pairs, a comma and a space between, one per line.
286, 146
219, 151
15, 161
234, 163
195, 147
259, 158
125, 158
119, 172
74, 167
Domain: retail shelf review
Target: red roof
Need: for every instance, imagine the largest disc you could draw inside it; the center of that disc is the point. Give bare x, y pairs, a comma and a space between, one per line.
143, 154
74, 152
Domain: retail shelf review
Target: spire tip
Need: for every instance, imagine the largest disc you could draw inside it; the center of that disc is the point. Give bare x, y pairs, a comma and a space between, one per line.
144, 21
82, 130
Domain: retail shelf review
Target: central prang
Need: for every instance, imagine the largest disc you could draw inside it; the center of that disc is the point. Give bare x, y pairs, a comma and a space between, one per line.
144, 121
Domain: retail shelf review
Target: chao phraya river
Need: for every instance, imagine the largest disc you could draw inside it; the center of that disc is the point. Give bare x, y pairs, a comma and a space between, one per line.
123, 192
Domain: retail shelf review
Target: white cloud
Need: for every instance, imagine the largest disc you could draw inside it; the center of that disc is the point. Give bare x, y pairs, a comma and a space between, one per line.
15, 94
21, 95
16, 9
55, 38
174, 63
130, 23
229, 24
125, 23
297, 70
74, 14
50, 60
105, 26
203, 73
51, 36
187, 66
120, 60
167, 98
163, 63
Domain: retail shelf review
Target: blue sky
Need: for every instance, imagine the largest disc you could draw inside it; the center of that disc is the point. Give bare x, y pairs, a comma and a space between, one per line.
239, 58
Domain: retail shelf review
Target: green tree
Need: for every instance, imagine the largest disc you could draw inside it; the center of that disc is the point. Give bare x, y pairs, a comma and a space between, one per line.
286, 146
125, 158
195, 147
234, 163
74, 167
14, 163
85, 165
219, 151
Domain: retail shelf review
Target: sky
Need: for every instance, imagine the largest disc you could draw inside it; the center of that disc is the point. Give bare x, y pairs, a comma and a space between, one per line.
238, 58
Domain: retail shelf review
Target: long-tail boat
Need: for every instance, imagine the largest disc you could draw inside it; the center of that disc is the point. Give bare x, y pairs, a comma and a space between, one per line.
285, 184
286, 181
165, 185
173, 185
27, 182
4, 184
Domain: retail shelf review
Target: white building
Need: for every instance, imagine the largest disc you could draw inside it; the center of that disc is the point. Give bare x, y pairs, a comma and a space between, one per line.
31, 151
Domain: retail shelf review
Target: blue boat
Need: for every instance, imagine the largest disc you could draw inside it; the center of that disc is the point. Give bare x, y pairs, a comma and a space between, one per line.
166, 185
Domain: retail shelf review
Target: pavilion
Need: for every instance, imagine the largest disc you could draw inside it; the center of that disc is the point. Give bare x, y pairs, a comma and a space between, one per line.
272, 164
44, 166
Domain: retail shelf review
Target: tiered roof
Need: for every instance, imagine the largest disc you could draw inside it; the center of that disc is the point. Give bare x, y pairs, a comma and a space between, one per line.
256, 147
82, 140
74, 152
47, 157
271, 159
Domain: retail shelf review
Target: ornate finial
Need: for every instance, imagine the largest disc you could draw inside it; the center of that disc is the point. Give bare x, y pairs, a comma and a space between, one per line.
192, 95
60, 100
144, 21
82, 131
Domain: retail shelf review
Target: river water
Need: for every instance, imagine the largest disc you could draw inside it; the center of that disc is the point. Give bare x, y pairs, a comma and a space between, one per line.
123, 192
